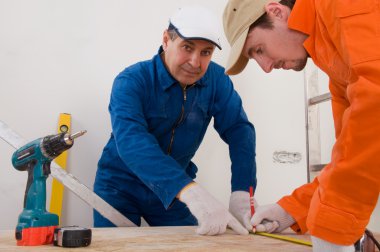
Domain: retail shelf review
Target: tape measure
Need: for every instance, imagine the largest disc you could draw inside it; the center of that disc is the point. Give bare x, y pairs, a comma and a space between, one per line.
284, 238
72, 236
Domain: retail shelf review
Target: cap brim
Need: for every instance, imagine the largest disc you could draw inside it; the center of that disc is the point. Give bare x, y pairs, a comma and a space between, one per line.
198, 38
236, 61
192, 34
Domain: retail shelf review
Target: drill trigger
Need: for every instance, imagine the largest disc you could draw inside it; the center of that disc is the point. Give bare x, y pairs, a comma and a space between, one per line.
46, 169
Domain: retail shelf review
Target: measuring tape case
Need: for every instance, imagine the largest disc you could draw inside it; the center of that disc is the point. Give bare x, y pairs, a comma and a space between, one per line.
72, 236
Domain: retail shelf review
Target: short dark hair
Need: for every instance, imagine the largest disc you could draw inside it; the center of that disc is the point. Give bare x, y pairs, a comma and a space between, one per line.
172, 34
265, 22
172, 31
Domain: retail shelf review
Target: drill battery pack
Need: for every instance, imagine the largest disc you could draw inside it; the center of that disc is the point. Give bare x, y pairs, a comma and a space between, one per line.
72, 236
34, 236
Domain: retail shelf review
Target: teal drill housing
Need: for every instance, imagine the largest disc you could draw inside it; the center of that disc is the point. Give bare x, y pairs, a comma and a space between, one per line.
35, 158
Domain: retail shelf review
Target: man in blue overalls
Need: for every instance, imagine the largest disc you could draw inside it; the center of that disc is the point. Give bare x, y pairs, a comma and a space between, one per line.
160, 110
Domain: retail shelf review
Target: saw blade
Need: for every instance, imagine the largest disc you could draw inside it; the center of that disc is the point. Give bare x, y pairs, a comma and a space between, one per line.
72, 183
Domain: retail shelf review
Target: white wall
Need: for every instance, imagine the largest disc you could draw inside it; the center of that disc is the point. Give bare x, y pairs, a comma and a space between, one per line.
62, 56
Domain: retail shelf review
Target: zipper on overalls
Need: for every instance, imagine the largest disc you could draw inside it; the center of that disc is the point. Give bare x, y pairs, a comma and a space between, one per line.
184, 90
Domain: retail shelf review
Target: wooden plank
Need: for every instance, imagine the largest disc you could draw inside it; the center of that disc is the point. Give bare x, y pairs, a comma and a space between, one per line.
165, 239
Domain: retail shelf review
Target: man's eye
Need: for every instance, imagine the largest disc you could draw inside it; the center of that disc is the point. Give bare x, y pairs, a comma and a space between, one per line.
187, 48
259, 51
206, 53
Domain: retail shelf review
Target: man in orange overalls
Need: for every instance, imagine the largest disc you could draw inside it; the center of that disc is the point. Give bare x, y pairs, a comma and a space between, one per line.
343, 39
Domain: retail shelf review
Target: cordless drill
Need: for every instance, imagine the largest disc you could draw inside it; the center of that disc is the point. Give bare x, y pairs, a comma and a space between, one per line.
35, 225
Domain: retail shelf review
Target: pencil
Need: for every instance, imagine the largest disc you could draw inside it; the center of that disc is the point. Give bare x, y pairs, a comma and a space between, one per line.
251, 203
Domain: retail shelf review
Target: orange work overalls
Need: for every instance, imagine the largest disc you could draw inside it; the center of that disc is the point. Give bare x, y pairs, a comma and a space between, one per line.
344, 41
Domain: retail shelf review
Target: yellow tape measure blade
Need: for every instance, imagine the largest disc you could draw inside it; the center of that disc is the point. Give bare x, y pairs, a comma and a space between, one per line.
285, 238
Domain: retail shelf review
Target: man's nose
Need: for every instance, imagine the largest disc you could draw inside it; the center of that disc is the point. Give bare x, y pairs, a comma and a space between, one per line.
195, 60
266, 64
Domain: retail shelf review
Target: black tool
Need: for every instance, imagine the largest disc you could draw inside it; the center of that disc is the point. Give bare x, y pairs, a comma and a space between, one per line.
72, 237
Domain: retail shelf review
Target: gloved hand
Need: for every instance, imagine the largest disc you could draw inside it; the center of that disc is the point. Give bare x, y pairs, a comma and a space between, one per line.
240, 207
320, 245
212, 216
271, 218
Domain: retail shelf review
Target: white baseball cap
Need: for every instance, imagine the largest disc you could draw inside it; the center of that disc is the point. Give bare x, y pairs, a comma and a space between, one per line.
196, 22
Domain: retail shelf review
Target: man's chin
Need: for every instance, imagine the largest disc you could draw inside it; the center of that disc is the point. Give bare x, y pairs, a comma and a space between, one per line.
190, 79
298, 69
300, 66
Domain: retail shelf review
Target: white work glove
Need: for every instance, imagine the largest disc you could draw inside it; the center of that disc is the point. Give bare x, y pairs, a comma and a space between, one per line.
271, 218
240, 207
212, 216
320, 245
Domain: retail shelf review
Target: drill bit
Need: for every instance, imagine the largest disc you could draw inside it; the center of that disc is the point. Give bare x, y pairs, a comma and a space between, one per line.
78, 134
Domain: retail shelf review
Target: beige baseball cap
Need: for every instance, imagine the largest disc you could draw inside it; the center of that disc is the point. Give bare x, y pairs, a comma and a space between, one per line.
237, 18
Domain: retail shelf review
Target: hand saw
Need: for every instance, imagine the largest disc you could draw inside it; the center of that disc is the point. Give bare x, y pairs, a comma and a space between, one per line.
72, 183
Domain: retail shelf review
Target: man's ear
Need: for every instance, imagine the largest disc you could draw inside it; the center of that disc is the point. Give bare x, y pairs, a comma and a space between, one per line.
165, 39
277, 10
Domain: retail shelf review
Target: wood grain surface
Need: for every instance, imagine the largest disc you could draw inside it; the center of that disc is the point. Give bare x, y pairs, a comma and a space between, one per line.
163, 239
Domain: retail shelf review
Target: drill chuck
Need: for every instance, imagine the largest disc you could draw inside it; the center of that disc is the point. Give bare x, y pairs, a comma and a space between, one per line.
53, 145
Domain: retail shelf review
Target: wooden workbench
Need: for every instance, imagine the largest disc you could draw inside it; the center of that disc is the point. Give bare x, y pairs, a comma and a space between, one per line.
163, 239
